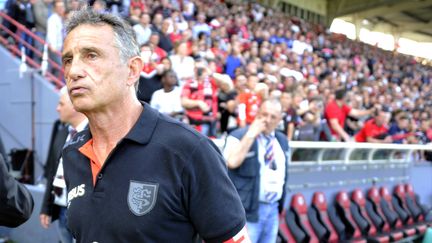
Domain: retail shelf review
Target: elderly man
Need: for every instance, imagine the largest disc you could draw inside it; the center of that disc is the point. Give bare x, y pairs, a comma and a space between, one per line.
257, 158
129, 178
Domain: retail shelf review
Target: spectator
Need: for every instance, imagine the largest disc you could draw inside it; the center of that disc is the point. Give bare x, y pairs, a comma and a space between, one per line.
55, 35
336, 112
183, 64
375, 130
199, 99
143, 29
399, 128
167, 100
261, 178
41, 9
150, 78
201, 26
164, 34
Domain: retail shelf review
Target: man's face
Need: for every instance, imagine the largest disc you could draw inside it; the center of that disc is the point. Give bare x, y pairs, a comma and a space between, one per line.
65, 109
59, 8
272, 115
382, 118
94, 73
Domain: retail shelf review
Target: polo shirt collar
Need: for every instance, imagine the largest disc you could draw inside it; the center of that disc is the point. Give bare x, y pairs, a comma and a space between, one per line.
143, 129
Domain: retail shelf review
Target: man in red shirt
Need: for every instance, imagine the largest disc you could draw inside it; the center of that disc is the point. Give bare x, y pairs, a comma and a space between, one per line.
336, 112
375, 130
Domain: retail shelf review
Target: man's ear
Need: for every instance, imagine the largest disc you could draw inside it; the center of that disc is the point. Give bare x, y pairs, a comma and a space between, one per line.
135, 66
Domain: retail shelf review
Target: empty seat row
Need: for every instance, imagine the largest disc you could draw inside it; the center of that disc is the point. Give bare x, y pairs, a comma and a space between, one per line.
377, 216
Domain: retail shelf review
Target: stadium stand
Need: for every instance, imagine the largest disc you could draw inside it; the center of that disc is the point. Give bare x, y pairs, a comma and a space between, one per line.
302, 64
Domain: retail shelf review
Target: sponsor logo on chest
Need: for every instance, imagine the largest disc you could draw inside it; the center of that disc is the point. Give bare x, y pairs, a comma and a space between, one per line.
75, 192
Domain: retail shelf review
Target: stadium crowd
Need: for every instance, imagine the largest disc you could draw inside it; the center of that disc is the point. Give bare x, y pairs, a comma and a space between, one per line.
211, 64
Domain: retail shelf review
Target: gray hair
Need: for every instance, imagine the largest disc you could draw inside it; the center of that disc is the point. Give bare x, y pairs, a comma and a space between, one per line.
124, 35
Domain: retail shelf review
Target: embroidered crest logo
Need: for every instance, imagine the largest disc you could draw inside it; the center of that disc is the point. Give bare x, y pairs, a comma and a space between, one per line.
142, 197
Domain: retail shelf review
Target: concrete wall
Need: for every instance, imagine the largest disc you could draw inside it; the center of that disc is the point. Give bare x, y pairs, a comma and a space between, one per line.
16, 111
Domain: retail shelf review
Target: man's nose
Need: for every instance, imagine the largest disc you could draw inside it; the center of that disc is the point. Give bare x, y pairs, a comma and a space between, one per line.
76, 70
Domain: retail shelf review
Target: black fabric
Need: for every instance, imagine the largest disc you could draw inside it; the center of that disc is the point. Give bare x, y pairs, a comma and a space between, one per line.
194, 194
16, 202
349, 225
337, 223
293, 224
403, 215
359, 219
374, 216
321, 231
390, 215
58, 139
147, 86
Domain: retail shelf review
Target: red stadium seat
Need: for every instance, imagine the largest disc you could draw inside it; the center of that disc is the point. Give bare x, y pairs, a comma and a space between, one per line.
300, 209
319, 204
392, 217
343, 207
284, 231
373, 206
399, 200
363, 220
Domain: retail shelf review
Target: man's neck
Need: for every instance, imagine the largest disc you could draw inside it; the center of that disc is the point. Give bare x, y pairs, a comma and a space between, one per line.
108, 127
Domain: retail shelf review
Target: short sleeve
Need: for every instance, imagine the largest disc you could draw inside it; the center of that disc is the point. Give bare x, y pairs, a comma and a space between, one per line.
213, 204
331, 112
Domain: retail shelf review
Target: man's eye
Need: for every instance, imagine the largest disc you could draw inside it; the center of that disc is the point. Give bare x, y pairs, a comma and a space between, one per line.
91, 55
67, 61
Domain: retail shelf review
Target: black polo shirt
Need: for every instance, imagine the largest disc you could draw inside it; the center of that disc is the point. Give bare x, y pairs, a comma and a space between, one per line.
163, 182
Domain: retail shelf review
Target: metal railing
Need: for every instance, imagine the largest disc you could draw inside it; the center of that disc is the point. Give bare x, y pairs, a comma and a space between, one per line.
14, 48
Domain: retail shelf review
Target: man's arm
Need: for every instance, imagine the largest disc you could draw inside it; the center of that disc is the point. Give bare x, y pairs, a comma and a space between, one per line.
334, 123
359, 113
387, 139
16, 202
236, 155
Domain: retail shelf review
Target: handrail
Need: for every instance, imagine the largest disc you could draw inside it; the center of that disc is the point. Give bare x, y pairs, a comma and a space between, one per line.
399, 153
347, 145
21, 28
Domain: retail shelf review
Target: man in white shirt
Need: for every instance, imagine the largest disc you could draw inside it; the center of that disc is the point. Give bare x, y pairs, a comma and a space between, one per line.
167, 100
143, 29
257, 159
55, 34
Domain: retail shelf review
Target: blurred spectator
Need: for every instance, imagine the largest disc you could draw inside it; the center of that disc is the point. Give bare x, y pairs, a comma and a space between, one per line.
143, 29
336, 112
150, 78
201, 26
167, 100
248, 102
99, 6
183, 64
399, 128
313, 126
199, 99
375, 130
55, 34
41, 9
165, 41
